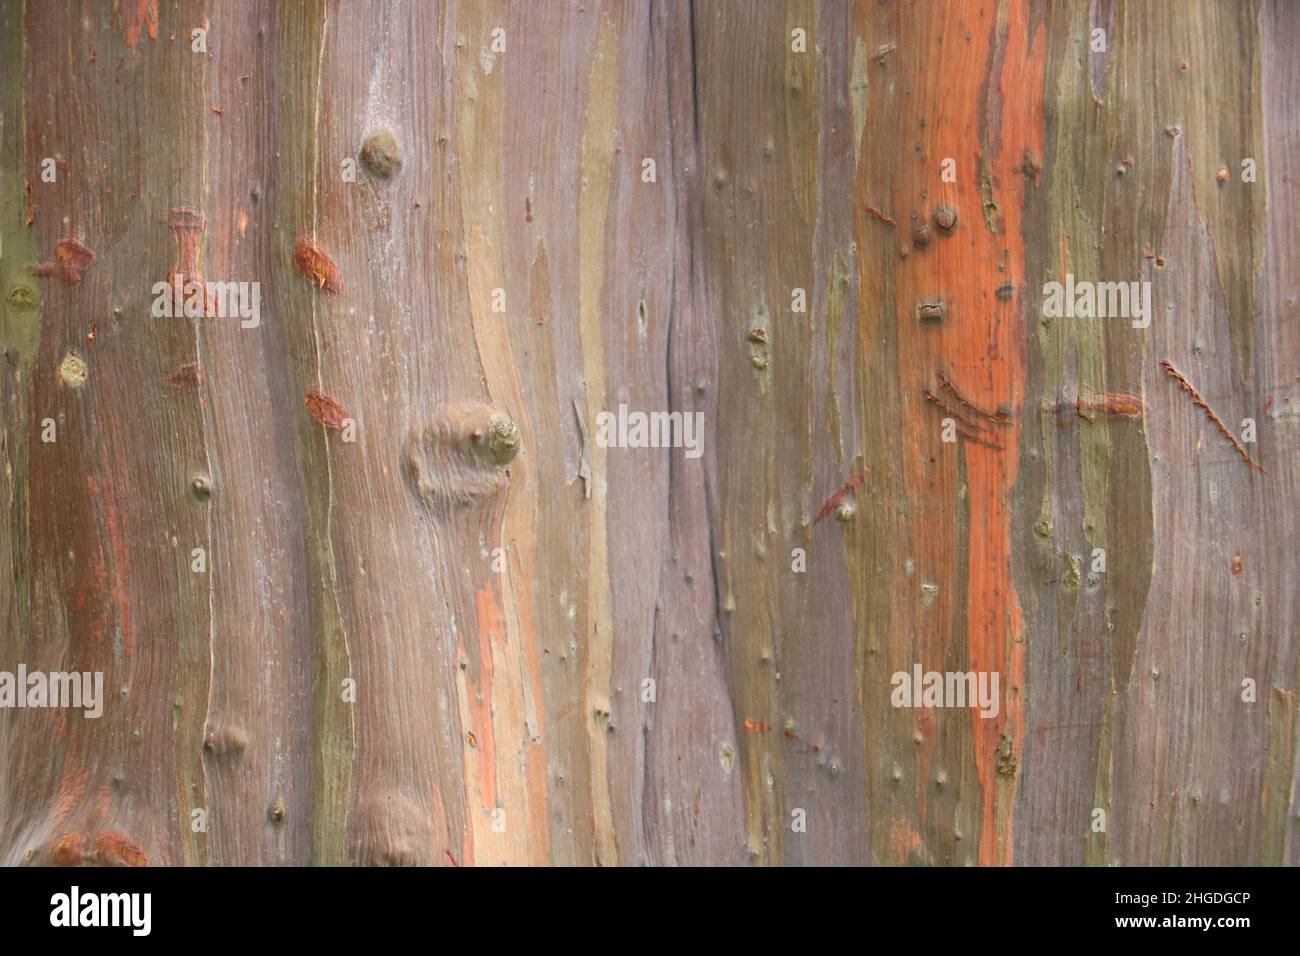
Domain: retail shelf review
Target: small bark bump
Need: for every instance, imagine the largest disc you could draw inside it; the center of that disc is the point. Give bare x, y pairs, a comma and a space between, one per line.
381, 155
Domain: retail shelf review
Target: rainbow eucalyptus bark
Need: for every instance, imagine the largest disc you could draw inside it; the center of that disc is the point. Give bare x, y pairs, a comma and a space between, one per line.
375, 564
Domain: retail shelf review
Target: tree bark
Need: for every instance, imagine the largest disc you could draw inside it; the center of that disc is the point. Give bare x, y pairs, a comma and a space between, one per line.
439, 621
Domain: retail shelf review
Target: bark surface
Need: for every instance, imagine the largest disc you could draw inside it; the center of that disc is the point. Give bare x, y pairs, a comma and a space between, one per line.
472, 634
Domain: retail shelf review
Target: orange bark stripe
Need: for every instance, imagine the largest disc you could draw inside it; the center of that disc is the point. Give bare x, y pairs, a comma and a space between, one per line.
980, 342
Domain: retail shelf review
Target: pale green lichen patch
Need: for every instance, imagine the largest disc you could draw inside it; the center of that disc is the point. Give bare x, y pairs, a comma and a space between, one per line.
1071, 579
502, 440
73, 370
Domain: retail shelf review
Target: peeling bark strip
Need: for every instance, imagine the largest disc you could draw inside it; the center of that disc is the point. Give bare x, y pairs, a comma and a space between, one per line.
1199, 402
959, 415
848, 488
325, 410
1109, 403
480, 638
113, 849
315, 263
880, 216
967, 428
999, 417
71, 260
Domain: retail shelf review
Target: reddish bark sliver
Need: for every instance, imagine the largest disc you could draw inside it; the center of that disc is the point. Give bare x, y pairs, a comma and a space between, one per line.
882, 217
844, 490
325, 409
315, 264
1110, 403
944, 406
755, 727
188, 376
972, 431
137, 17
68, 851
71, 260
113, 849
997, 418
1200, 403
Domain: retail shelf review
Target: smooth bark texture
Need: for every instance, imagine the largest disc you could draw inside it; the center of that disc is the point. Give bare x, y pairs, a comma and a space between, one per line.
474, 634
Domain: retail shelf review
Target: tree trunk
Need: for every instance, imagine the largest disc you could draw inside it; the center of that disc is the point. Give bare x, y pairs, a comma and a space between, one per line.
366, 581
